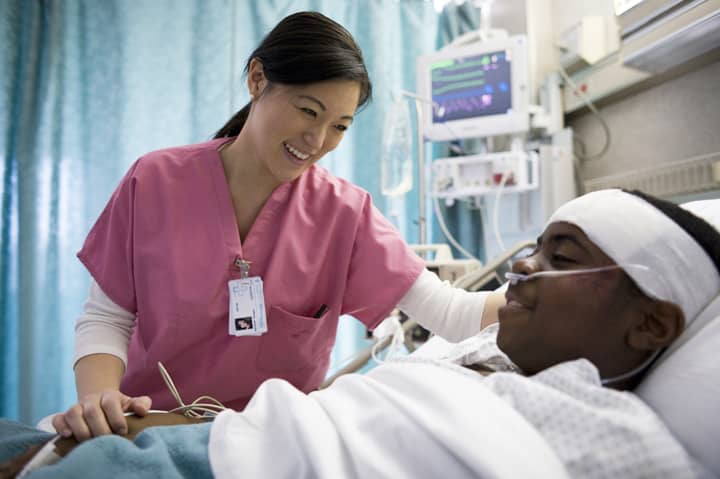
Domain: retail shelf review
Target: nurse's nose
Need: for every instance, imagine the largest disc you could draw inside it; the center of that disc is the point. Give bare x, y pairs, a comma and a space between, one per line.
315, 137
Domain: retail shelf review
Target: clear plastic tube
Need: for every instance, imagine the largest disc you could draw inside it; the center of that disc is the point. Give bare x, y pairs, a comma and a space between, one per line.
515, 278
632, 372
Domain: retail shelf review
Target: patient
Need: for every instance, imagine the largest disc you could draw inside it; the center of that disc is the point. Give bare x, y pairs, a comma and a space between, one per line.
615, 278
669, 260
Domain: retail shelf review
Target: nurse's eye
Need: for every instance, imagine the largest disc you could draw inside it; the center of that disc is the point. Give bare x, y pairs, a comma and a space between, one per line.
341, 128
309, 111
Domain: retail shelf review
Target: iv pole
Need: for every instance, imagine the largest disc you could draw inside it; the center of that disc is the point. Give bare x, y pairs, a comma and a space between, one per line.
420, 163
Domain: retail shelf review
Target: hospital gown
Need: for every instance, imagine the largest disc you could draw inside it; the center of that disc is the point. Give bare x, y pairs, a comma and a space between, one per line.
428, 417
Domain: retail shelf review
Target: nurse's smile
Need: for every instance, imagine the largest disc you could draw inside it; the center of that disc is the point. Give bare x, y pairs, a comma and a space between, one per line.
296, 156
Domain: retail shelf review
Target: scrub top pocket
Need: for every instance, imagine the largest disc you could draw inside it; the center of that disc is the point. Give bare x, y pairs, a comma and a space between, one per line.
294, 342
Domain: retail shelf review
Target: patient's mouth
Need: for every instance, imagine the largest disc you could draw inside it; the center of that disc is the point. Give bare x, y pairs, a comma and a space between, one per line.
515, 301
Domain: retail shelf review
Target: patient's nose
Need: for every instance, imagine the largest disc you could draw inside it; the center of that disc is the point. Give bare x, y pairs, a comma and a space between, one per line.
526, 266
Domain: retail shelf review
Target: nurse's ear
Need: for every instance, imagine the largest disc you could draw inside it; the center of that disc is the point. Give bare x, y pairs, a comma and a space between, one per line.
256, 79
660, 324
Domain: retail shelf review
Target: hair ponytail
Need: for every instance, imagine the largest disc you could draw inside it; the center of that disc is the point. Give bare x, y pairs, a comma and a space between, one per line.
234, 124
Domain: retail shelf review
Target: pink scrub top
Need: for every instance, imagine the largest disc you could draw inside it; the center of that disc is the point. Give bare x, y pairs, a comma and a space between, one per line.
165, 245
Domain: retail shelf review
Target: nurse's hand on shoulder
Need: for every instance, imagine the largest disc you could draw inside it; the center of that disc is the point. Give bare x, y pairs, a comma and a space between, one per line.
100, 413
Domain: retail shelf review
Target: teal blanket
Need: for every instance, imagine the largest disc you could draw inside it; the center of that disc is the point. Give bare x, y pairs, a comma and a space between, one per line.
163, 451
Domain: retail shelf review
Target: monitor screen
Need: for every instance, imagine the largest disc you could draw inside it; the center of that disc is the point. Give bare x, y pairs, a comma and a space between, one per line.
475, 90
467, 87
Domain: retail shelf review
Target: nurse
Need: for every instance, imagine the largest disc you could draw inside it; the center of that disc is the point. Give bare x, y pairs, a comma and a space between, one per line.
231, 260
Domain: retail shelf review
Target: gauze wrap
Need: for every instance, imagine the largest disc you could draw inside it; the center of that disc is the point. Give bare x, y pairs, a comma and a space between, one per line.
632, 231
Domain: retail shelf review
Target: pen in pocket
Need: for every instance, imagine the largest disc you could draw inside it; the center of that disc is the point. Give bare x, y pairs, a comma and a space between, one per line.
320, 311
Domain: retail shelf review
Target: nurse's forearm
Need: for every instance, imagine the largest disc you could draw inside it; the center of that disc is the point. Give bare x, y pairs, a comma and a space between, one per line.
97, 372
493, 302
451, 313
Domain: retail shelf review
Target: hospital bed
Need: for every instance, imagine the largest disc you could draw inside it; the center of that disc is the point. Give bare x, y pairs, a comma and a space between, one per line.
409, 415
682, 388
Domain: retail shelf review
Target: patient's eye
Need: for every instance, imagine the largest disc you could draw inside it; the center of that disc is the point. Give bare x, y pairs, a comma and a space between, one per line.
559, 258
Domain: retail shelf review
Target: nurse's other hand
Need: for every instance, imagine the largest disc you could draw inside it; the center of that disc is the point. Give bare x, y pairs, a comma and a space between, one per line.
100, 413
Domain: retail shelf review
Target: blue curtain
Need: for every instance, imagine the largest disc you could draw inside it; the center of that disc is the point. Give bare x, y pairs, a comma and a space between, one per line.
86, 87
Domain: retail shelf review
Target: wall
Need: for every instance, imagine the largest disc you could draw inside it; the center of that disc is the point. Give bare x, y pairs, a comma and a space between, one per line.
509, 15
671, 118
672, 121
567, 13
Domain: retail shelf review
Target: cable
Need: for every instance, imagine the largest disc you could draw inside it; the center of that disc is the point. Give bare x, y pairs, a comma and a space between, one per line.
594, 110
577, 174
398, 338
197, 408
437, 108
446, 232
496, 210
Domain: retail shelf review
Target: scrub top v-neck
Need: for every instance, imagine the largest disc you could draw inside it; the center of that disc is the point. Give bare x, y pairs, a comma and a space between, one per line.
226, 211
165, 248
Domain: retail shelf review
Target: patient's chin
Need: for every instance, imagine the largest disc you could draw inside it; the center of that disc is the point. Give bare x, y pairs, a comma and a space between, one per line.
505, 338
513, 340
512, 323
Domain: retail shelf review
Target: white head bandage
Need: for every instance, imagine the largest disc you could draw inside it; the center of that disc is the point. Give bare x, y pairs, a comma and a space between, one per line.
632, 231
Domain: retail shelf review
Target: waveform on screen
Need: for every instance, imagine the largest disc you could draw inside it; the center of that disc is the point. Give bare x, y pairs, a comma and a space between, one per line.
470, 87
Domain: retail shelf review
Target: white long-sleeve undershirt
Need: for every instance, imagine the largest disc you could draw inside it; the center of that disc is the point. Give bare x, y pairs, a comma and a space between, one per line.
451, 313
103, 327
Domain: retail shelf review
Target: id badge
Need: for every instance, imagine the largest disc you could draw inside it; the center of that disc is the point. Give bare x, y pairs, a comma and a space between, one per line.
247, 307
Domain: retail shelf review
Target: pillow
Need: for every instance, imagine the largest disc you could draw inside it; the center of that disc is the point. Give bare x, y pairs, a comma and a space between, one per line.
684, 386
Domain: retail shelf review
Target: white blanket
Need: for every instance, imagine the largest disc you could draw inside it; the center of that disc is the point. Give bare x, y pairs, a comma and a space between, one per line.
401, 420
420, 417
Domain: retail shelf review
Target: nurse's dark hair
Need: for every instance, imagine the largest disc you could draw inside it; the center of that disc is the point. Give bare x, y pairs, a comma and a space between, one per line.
306, 47
700, 230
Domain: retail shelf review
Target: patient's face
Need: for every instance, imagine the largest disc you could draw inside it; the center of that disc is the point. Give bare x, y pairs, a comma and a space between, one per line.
549, 320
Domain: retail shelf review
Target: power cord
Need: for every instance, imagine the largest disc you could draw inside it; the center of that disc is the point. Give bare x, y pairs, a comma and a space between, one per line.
581, 155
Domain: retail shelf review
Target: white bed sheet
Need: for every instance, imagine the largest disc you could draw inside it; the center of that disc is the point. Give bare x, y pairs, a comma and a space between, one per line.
421, 417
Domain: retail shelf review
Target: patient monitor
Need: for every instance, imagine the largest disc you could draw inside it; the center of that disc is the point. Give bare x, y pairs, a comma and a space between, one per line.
476, 90
482, 90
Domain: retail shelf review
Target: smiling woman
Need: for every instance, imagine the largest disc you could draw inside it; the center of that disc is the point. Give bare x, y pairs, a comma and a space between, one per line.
231, 260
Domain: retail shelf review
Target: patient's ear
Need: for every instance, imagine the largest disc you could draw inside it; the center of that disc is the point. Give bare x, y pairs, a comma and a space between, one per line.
662, 322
